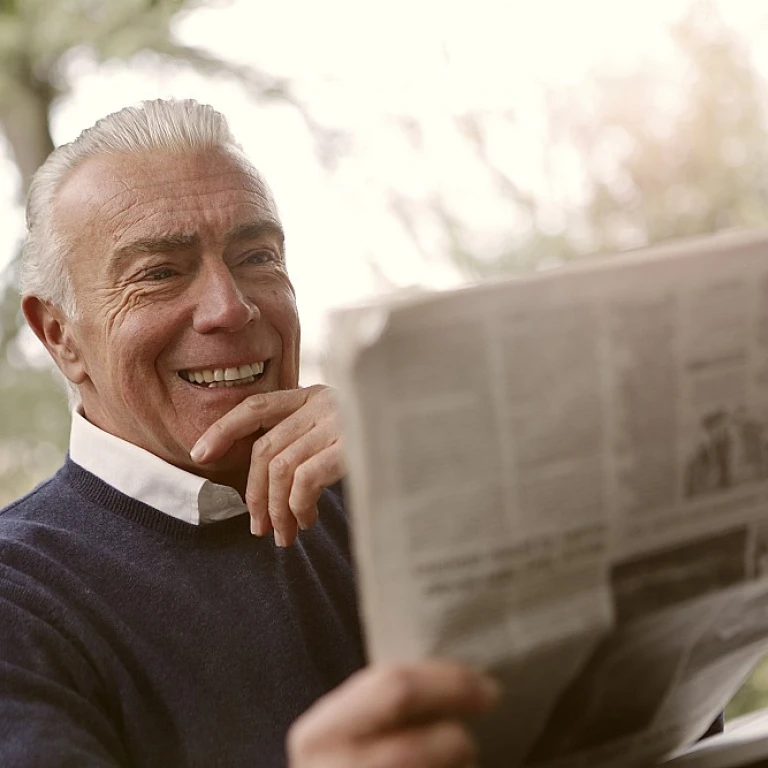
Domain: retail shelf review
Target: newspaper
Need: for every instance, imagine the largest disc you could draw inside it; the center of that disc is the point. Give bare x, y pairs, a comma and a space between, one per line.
563, 479
744, 745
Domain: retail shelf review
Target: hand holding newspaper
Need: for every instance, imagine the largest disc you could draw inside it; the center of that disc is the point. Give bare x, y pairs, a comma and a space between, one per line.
563, 480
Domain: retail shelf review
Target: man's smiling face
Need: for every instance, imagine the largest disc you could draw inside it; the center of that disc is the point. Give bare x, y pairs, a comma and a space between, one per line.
177, 267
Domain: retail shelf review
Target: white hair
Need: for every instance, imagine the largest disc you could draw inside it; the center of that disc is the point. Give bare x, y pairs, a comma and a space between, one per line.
173, 125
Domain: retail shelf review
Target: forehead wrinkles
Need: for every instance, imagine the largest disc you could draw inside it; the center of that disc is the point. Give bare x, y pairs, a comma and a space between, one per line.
119, 198
203, 212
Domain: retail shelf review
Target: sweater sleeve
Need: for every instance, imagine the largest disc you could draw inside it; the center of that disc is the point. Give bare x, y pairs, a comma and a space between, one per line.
50, 713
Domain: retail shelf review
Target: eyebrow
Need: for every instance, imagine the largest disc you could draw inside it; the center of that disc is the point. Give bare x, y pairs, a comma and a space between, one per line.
255, 230
164, 244
182, 242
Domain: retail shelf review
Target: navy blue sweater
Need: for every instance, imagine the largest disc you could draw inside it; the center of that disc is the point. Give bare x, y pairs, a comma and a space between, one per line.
128, 637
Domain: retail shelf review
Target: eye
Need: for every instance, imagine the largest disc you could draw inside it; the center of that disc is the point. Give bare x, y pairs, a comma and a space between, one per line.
260, 257
156, 275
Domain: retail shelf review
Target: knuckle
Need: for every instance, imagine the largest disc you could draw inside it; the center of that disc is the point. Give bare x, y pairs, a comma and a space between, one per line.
252, 499
262, 447
303, 502
255, 403
276, 515
304, 477
279, 468
217, 429
306, 517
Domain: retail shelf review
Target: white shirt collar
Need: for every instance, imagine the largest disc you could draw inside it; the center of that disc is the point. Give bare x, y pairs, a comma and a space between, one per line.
147, 478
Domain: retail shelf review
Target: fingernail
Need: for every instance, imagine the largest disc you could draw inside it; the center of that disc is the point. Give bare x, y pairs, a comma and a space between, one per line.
199, 450
279, 540
255, 527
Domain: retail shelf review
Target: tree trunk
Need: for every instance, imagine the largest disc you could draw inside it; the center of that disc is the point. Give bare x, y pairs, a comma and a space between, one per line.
25, 125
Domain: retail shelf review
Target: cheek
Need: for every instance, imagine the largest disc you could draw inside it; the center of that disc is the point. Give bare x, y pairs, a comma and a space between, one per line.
116, 316
279, 307
284, 318
128, 307
289, 326
132, 339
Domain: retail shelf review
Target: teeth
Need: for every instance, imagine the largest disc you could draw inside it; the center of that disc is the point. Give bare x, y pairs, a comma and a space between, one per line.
218, 384
243, 374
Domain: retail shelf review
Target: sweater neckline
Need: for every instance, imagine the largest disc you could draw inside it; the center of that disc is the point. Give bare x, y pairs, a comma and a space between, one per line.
97, 491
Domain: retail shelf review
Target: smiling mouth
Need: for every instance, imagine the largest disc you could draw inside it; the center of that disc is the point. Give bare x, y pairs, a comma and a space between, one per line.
213, 378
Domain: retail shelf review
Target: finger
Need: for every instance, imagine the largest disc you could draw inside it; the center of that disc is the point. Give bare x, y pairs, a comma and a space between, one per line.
307, 518
319, 471
257, 496
298, 462
265, 450
383, 698
275, 457
445, 744
255, 413
280, 517
290, 431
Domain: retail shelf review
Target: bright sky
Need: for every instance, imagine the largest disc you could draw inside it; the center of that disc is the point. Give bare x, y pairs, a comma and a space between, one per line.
392, 76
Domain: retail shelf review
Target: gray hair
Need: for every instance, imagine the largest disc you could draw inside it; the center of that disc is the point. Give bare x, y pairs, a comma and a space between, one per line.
172, 125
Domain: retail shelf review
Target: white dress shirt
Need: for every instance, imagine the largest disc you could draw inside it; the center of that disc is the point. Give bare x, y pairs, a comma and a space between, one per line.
147, 478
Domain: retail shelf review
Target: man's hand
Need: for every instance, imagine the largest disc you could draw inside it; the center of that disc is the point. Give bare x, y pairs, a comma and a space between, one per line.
394, 717
291, 464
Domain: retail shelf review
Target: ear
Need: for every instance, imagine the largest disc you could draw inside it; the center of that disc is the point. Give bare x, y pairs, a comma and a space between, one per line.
54, 329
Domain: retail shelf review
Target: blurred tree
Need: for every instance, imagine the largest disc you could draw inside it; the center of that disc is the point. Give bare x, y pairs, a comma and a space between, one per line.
661, 153
538, 242
667, 159
38, 39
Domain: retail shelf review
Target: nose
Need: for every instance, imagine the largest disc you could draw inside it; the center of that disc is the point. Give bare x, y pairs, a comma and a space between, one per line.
220, 304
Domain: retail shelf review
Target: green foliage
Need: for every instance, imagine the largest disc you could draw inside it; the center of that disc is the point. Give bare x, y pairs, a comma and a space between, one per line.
753, 694
35, 428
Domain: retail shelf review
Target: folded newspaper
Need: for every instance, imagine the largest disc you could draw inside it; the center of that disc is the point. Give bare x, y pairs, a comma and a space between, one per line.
563, 479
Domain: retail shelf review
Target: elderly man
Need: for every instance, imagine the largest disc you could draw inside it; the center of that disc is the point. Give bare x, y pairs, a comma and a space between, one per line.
141, 622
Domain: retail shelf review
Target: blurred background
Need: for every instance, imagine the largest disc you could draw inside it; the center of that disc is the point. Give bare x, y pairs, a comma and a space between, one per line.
410, 144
